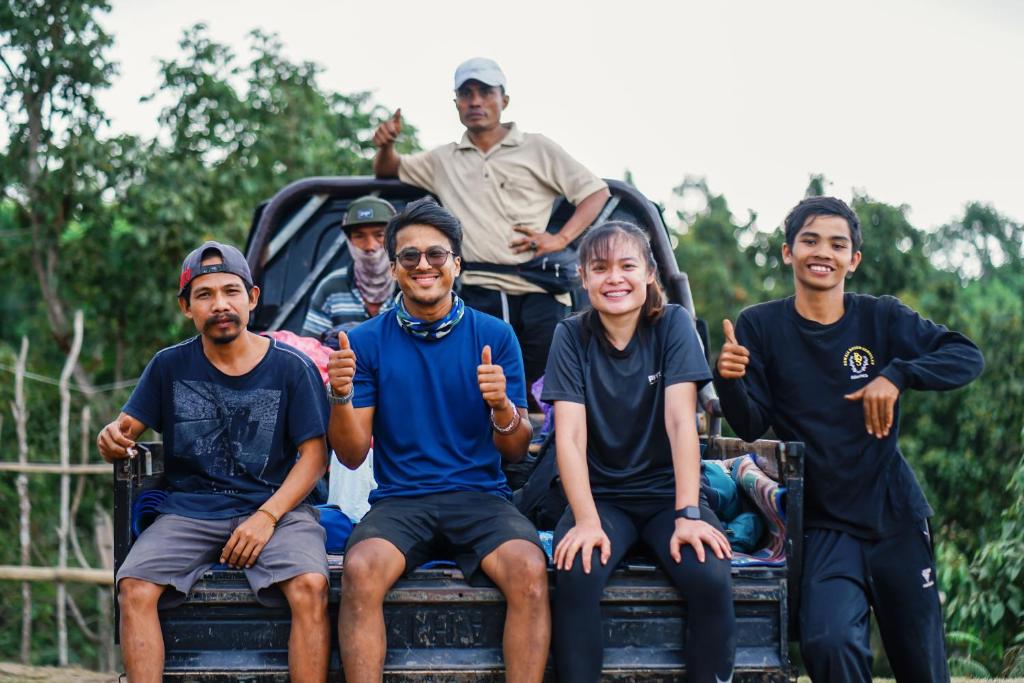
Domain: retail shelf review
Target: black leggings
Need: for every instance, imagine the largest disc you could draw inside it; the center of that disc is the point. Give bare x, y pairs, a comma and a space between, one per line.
707, 587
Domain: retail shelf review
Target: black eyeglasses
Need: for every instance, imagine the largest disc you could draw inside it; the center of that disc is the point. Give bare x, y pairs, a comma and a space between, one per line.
410, 258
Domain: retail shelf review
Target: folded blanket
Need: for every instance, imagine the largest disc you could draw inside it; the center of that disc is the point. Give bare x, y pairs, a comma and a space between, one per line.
769, 498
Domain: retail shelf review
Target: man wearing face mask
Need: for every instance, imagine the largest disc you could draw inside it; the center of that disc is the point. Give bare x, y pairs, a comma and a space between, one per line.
354, 293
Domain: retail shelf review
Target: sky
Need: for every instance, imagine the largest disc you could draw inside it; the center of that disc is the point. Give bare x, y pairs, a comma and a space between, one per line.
912, 102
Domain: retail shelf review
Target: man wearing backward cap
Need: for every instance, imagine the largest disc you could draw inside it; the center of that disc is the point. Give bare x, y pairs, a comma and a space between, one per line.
234, 409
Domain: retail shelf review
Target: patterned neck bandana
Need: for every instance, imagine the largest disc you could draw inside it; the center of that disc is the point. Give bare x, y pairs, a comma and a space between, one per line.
372, 271
430, 331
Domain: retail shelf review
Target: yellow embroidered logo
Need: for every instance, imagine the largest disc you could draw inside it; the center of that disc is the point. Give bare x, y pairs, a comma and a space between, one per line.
858, 359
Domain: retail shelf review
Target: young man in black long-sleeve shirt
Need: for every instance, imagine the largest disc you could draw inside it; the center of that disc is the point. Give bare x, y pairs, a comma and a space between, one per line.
827, 368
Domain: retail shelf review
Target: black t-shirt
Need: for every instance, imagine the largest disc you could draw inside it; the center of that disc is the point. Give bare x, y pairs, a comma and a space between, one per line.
800, 371
628, 451
229, 441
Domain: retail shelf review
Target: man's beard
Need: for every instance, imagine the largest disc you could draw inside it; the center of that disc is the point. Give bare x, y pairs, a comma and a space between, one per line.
227, 338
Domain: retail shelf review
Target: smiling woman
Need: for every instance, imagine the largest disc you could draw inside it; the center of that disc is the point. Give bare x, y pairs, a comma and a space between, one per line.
623, 378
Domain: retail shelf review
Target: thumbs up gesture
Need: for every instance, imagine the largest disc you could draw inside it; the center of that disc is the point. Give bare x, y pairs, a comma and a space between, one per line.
115, 442
341, 367
491, 379
388, 131
734, 358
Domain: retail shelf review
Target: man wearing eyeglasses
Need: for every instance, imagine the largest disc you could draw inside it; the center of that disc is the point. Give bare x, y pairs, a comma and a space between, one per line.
439, 388
502, 184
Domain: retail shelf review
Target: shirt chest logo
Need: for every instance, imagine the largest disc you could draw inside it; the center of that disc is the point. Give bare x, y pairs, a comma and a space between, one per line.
857, 360
653, 379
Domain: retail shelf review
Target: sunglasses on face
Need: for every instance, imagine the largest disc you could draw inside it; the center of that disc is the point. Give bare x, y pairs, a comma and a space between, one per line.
410, 258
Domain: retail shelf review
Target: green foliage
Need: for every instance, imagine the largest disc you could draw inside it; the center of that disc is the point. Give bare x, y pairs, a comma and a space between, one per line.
101, 222
961, 647
708, 250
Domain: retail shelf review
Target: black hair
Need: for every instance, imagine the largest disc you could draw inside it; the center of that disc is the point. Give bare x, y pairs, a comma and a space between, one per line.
424, 211
598, 245
822, 206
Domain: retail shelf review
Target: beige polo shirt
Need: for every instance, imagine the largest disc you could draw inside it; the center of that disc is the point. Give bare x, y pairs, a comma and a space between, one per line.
516, 182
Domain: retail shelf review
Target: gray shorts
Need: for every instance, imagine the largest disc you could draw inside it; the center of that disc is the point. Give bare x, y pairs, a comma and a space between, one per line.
174, 551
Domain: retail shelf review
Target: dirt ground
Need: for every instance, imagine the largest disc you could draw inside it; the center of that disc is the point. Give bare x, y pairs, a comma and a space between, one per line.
17, 673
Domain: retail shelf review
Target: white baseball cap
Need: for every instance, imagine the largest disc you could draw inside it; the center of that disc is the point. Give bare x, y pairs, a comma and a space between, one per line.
480, 69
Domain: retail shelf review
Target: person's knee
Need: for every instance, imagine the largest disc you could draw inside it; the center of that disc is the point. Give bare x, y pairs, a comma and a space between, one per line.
136, 595
715, 579
307, 593
527, 572
828, 643
366, 573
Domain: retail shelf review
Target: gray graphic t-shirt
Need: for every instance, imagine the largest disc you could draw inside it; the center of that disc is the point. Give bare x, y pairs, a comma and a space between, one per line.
229, 442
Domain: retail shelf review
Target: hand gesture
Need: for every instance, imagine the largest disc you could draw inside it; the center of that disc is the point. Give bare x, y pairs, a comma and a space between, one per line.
539, 243
247, 541
388, 131
491, 379
341, 367
733, 360
879, 399
114, 441
582, 538
698, 534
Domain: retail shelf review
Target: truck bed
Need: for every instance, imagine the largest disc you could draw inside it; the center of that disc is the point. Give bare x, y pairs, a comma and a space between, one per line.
439, 628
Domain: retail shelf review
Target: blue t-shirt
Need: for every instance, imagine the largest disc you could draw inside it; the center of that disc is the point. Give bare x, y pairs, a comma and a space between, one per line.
431, 427
229, 442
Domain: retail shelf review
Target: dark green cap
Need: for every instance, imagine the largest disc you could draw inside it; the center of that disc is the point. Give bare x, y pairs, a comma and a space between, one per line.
368, 210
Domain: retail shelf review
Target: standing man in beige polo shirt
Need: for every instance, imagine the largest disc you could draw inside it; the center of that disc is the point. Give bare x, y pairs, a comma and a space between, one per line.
502, 184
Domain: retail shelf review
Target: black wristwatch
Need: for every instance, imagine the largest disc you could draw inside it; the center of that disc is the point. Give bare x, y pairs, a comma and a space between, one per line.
688, 512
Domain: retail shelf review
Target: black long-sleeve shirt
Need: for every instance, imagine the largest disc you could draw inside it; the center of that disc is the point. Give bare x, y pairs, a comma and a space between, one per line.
799, 372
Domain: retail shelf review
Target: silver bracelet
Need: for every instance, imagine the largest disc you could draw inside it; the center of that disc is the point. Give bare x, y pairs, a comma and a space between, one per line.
511, 427
340, 400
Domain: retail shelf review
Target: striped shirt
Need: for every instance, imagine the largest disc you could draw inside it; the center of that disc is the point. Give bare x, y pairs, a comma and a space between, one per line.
336, 301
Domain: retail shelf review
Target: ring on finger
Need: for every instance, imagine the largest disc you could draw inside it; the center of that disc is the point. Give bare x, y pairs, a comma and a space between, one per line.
533, 245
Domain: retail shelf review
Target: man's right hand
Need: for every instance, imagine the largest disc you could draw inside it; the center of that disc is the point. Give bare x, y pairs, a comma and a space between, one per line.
115, 440
388, 131
341, 367
734, 358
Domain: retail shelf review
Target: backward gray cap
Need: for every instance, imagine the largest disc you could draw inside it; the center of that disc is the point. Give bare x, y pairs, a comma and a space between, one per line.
232, 262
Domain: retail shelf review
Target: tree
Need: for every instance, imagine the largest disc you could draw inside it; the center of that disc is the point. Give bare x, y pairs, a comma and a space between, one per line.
54, 167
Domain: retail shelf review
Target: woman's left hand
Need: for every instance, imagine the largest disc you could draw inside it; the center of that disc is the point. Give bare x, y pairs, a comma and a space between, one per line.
698, 534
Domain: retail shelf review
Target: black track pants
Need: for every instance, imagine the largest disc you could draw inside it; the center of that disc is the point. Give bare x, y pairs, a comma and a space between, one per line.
707, 588
843, 578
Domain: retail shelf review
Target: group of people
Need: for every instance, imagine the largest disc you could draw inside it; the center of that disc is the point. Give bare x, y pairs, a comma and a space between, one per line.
435, 374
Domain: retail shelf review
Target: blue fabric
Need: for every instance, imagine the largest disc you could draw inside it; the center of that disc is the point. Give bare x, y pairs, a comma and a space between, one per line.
432, 330
229, 442
721, 492
338, 527
744, 531
431, 428
146, 509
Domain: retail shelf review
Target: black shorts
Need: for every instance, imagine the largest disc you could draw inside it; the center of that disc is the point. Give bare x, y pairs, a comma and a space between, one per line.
465, 526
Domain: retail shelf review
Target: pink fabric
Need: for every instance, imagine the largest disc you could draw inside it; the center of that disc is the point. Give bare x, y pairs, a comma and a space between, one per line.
317, 352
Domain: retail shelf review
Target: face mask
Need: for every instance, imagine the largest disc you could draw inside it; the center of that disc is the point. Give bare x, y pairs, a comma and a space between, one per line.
372, 271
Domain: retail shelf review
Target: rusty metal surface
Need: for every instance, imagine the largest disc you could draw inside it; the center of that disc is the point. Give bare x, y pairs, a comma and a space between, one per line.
481, 676
441, 629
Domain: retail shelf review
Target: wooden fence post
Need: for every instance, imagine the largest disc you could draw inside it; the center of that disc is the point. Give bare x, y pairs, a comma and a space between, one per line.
65, 487
19, 409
